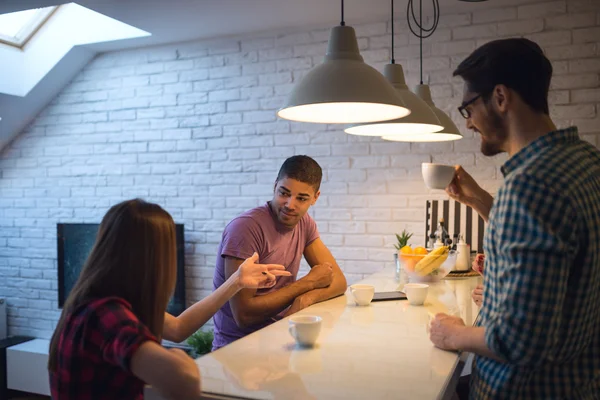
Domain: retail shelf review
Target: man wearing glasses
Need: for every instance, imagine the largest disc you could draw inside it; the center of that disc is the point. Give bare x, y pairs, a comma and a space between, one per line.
539, 336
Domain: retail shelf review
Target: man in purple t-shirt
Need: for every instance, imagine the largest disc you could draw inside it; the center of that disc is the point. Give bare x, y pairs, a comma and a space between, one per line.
280, 232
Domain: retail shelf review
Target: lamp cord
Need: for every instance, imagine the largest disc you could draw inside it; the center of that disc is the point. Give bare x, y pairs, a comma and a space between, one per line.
410, 12
342, 23
421, 39
393, 61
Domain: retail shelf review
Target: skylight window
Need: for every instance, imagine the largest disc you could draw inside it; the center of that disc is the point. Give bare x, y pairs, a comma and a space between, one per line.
17, 28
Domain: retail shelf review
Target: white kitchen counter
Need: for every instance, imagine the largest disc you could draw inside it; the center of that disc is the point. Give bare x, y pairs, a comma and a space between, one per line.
376, 352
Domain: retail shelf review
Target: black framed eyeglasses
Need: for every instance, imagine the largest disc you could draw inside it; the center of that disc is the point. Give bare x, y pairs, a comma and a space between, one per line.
463, 107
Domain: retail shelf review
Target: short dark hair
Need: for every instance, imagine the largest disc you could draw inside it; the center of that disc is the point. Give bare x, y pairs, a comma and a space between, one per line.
517, 63
303, 169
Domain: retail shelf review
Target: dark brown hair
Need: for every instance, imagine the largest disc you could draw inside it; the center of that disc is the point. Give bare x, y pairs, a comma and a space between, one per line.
517, 63
134, 258
303, 169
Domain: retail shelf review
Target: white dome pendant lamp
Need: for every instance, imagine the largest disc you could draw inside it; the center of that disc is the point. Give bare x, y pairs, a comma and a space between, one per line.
343, 89
422, 120
449, 131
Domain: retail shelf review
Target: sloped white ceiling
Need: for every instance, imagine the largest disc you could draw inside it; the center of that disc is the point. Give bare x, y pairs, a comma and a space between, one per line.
182, 20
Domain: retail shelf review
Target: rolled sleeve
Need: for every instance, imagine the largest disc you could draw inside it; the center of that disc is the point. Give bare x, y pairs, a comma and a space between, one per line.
537, 250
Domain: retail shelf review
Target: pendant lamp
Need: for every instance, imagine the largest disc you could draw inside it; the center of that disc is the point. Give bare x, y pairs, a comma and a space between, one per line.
449, 131
422, 119
343, 89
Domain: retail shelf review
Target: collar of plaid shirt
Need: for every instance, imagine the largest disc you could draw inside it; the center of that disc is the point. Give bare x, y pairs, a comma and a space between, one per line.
550, 139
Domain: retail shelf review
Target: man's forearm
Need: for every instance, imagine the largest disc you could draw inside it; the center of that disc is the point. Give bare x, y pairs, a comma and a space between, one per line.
483, 205
258, 308
338, 287
472, 340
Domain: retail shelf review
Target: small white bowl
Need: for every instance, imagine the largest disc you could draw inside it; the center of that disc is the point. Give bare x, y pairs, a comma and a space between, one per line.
305, 329
437, 176
416, 293
363, 294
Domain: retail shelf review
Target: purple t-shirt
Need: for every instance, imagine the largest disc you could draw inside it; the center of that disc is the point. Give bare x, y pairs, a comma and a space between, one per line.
259, 230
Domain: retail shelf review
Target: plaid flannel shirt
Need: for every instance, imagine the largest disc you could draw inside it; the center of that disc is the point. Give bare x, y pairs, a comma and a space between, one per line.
95, 350
541, 310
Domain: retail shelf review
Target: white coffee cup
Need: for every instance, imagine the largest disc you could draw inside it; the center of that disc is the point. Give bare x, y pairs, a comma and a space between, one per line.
305, 329
416, 293
363, 294
437, 176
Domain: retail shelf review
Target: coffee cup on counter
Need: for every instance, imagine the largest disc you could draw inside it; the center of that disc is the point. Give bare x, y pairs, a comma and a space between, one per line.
363, 294
305, 329
416, 293
437, 176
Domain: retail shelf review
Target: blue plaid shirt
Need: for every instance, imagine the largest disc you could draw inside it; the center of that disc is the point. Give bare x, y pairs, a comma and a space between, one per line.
541, 309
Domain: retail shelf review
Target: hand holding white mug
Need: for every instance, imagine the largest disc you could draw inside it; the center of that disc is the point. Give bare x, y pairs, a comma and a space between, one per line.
464, 189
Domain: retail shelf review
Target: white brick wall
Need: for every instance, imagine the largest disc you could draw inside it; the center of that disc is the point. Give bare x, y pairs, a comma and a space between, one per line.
193, 127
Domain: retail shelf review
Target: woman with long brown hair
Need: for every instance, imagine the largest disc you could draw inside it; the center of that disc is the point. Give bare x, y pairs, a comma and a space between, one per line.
107, 341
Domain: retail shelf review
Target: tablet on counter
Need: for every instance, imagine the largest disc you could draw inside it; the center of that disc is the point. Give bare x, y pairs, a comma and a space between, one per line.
383, 296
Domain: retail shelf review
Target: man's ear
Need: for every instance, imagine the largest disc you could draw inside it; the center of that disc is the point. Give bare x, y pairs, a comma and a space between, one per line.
316, 197
502, 96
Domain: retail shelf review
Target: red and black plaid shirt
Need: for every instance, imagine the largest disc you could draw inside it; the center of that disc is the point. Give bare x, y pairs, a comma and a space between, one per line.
95, 350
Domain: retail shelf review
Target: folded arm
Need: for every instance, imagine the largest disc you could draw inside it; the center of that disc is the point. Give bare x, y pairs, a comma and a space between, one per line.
249, 309
318, 254
249, 274
319, 258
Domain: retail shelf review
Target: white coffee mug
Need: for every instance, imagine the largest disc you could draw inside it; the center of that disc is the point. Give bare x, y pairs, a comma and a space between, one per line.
363, 294
416, 293
305, 329
437, 176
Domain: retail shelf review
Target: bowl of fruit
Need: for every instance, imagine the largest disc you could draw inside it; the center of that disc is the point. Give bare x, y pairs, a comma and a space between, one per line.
423, 265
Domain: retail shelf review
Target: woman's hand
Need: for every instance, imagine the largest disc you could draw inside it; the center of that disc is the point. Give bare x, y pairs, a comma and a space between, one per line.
257, 276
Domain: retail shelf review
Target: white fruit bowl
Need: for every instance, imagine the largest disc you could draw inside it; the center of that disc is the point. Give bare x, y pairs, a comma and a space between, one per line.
408, 262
